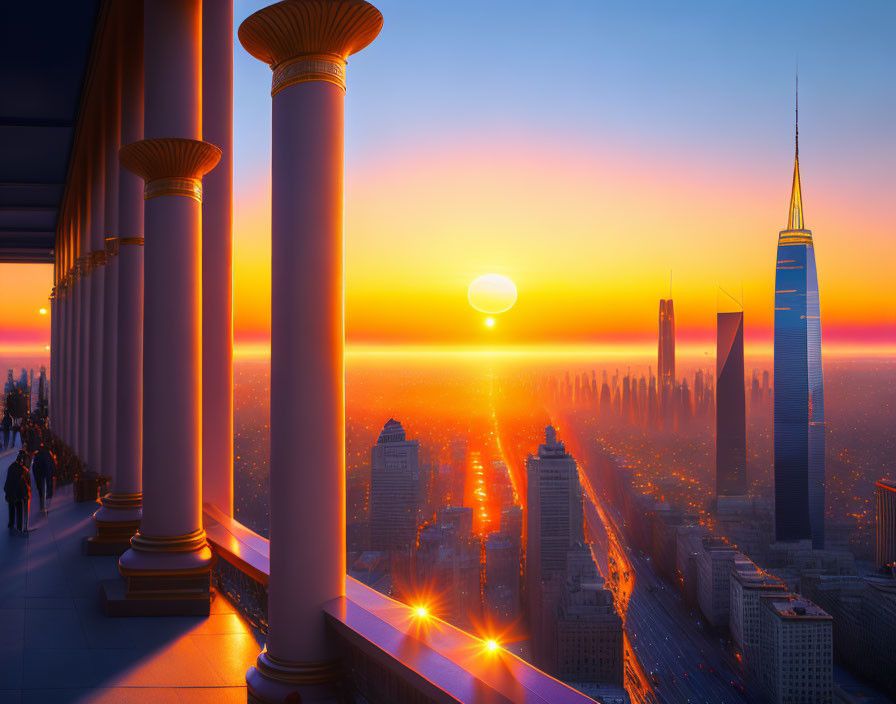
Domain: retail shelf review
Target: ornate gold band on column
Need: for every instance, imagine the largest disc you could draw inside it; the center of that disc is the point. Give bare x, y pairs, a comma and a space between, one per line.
312, 67
111, 247
169, 543
123, 241
190, 187
122, 501
298, 673
97, 259
170, 166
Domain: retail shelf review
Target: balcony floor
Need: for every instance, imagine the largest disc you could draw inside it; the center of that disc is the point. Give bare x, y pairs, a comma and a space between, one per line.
56, 645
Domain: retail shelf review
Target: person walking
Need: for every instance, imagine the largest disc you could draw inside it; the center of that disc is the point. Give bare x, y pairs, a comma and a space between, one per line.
17, 491
43, 467
5, 425
16, 430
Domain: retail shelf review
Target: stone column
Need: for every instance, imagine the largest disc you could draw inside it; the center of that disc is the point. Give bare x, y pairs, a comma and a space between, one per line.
306, 43
54, 347
110, 283
96, 375
118, 518
168, 566
217, 252
82, 352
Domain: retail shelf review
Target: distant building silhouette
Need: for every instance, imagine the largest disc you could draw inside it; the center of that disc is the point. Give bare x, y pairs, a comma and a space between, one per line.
666, 364
731, 419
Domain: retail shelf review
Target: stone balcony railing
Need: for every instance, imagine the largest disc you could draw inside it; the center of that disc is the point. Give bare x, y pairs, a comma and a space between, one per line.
389, 654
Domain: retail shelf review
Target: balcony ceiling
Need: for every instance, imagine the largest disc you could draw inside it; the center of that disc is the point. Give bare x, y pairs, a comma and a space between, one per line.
43, 61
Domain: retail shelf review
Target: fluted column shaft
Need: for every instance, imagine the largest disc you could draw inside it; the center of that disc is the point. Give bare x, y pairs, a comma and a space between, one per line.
306, 42
82, 303
217, 249
97, 276
109, 416
54, 352
171, 161
119, 516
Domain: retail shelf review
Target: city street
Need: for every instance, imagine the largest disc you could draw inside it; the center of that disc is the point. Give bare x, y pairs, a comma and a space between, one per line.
668, 657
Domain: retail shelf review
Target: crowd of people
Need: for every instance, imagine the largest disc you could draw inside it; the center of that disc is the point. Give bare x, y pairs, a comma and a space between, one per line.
34, 462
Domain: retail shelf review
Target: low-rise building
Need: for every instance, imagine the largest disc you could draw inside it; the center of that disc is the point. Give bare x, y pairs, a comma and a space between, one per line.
796, 650
714, 580
688, 543
748, 584
589, 631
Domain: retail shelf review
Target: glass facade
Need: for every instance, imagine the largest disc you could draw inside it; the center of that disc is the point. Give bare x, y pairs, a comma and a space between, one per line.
799, 393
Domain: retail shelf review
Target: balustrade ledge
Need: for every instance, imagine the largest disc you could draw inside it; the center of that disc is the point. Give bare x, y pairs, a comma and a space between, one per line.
435, 660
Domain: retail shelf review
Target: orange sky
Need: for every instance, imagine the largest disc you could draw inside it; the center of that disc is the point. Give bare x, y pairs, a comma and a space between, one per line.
588, 233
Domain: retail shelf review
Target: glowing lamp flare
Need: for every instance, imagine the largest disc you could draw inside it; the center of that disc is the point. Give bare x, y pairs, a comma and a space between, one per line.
491, 645
421, 612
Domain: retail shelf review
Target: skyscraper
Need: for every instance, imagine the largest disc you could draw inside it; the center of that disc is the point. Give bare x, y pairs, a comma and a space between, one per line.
394, 477
731, 418
554, 522
666, 346
555, 518
666, 364
799, 385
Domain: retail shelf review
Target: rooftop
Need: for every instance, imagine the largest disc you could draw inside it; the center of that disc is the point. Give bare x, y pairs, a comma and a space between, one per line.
797, 609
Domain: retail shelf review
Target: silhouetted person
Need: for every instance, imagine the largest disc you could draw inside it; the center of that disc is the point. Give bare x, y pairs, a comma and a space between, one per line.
16, 430
17, 490
5, 425
43, 467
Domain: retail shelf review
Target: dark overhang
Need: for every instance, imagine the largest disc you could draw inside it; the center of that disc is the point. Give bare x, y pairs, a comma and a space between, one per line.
44, 57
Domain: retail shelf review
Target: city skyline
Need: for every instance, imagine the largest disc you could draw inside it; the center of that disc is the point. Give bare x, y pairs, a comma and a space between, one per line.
649, 134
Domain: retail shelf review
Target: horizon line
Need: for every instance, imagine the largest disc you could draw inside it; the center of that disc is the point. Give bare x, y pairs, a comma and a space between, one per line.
610, 349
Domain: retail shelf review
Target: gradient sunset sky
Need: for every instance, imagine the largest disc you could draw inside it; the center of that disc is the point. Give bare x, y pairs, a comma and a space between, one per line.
585, 150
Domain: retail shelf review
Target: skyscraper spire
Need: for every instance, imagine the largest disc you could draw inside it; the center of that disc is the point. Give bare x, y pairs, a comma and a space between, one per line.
795, 219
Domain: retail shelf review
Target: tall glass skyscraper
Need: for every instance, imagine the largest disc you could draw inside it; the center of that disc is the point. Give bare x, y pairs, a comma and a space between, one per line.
799, 384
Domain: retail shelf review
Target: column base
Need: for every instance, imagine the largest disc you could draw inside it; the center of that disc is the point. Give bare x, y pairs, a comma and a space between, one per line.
117, 521
273, 681
168, 576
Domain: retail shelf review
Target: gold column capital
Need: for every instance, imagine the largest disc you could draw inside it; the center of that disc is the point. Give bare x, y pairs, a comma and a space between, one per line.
111, 247
309, 40
170, 166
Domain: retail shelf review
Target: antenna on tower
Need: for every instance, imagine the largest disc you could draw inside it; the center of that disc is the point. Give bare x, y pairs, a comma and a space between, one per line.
797, 96
670, 283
